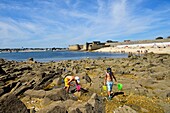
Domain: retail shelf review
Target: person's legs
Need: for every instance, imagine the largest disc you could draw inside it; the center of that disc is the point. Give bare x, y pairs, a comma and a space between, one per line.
109, 88
67, 88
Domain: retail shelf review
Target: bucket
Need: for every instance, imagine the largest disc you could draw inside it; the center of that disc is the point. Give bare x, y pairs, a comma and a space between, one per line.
78, 87
119, 86
104, 88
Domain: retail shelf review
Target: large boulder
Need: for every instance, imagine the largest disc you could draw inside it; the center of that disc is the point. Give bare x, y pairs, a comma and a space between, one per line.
11, 104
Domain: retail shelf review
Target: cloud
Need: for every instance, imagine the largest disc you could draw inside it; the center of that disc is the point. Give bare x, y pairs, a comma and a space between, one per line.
67, 22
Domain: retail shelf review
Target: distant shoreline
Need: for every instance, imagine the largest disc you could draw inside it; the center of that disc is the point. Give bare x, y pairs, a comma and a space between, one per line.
30, 51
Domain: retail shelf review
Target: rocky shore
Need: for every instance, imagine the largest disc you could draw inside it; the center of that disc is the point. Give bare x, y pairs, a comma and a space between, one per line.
35, 87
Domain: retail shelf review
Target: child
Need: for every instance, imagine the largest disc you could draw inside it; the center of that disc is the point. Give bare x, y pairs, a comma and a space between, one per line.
109, 81
68, 80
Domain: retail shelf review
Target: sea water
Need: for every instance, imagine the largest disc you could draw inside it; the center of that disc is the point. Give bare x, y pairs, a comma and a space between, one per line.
46, 56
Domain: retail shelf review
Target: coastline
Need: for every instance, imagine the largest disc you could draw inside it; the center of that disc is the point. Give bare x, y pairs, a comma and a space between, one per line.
29, 51
136, 50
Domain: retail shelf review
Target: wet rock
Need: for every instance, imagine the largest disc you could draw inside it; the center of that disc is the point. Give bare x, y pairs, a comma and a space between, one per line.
2, 61
30, 59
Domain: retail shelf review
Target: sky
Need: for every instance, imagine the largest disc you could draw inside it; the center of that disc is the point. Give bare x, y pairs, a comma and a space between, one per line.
60, 23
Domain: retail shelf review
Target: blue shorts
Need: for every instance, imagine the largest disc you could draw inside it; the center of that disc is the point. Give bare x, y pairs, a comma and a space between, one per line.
109, 85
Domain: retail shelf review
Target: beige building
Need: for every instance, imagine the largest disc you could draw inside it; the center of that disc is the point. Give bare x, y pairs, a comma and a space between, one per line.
88, 46
74, 47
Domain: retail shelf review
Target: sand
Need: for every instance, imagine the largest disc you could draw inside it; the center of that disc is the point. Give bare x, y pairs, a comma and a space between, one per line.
135, 50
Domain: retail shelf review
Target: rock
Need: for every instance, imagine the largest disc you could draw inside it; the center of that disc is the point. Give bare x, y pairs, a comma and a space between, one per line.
1, 91
2, 83
55, 94
87, 78
46, 101
11, 104
2, 61
159, 75
135, 107
73, 110
73, 97
124, 109
81, 108
2, 71
69, 103
97, 103
30, 59
22, 68
35, 93
32, 110
168, 95
22, 89
144, 110
7, 88
147, 82
58, 81
77, 94
55, 107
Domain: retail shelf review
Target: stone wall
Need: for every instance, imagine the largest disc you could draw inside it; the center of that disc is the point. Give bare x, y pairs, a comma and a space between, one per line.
74, 47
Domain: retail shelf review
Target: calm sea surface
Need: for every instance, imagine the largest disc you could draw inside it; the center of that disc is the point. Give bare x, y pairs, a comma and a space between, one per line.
47, 56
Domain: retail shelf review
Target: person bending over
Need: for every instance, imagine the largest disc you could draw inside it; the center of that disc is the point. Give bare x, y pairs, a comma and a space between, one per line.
68, 80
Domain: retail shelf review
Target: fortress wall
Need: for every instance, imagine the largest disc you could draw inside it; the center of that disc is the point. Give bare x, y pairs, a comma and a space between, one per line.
95, 46
74, 47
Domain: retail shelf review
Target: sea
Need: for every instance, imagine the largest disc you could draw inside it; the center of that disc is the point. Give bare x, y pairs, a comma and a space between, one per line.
47, 56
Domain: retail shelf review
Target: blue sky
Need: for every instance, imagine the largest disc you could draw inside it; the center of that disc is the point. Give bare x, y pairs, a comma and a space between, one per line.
60, 23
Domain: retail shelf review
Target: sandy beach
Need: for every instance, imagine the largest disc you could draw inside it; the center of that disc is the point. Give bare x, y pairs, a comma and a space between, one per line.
135, 50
